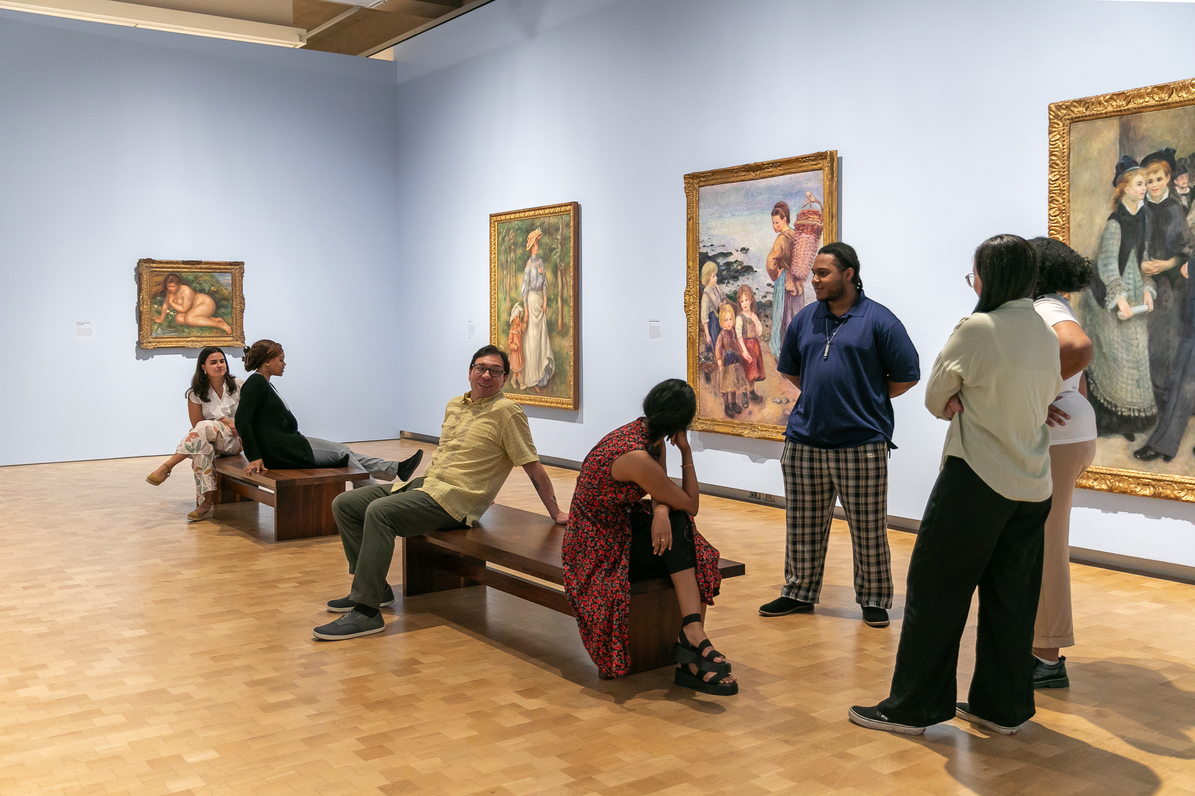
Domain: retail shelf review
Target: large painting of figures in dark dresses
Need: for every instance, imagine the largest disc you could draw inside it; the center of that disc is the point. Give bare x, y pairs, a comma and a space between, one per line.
753, 232
534, 257
1121, 172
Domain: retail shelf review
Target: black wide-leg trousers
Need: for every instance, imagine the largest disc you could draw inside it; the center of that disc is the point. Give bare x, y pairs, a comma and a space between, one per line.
970, 537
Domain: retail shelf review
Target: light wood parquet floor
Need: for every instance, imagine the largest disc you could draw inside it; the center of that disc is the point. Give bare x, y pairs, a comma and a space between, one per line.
140, 654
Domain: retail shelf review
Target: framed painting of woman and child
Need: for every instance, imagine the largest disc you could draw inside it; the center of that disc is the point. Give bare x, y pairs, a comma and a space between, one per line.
753, 232
1121, 167
190, 303
534, 260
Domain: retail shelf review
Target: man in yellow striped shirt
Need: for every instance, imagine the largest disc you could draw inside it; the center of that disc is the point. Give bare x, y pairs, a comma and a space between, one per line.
485, 435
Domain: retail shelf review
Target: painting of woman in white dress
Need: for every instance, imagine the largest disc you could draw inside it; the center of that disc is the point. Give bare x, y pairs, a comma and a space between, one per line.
533, 266
539, 366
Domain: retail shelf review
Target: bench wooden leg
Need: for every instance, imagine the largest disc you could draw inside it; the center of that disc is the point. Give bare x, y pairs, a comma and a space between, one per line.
654, 625
305, 511
224, 492
426, 568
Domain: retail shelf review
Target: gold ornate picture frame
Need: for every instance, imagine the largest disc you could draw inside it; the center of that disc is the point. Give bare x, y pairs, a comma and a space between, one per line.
190, 304
534, 294
734, 242
1087, 139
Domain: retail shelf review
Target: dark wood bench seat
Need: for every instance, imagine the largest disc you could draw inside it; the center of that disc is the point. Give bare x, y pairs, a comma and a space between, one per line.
302, 499
530, 544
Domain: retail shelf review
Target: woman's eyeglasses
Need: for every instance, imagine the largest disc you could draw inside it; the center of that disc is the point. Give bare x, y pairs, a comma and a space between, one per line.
496, 372
970, 279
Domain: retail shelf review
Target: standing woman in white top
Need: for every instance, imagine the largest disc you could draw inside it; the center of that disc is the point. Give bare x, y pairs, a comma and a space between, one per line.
212, 405
983, 526
1072, 447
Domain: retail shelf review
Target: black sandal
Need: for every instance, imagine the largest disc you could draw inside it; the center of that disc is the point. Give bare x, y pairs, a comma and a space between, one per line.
714, 685
684, 652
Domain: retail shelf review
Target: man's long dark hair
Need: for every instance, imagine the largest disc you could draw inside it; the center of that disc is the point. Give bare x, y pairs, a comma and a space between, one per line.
844, 257
1007, 269
200, 382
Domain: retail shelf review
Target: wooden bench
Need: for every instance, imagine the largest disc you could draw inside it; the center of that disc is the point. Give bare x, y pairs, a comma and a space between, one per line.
530, 544
302, 499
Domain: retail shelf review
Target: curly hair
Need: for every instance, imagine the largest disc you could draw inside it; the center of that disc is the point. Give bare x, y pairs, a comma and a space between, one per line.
1060, 269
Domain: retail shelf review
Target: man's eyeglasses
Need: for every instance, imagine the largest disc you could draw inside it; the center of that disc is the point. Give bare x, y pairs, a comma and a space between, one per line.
496, 372
970, 280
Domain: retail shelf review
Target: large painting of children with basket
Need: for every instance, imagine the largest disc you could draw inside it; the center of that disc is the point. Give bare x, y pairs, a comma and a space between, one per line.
753, 233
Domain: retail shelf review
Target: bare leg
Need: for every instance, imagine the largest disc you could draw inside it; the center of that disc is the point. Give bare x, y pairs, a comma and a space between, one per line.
689, 598
191, 319
165, 468
1046, 653
208, 499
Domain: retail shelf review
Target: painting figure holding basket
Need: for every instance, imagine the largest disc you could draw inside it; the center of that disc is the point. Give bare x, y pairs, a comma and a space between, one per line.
790, 261
538, 363
191, 308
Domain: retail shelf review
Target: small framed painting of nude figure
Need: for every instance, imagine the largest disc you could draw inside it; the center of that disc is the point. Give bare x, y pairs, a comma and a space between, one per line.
190, 304
753, 232
1121, 168
534, 261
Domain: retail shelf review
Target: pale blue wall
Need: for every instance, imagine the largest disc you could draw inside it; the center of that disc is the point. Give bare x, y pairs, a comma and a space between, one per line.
938, 110
118, 144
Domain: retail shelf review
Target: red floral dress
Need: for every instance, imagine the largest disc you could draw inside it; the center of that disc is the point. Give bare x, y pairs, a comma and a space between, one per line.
597, 545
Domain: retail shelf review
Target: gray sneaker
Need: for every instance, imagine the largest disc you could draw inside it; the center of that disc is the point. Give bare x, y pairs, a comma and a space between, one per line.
351, 625
345, 604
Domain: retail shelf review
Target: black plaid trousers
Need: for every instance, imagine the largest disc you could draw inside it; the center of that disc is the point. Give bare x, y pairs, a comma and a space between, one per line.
813, 477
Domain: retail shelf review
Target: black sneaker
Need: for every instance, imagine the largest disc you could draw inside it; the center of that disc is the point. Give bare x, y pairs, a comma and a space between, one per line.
875, 617
345, 604
1050, 675
963, 711
873, 719
351, 625
782, 606
407, 468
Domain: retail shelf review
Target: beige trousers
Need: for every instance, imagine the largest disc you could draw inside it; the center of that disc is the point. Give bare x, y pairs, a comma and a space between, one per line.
1055, 625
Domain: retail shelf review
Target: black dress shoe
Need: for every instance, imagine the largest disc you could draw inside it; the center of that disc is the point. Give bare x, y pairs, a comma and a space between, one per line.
1148, 454
1130, 436
782, 606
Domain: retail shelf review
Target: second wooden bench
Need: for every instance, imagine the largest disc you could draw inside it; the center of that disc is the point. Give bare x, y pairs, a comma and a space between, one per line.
302, 499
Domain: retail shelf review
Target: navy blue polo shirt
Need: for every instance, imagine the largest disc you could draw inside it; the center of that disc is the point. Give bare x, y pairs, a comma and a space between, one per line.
844, 399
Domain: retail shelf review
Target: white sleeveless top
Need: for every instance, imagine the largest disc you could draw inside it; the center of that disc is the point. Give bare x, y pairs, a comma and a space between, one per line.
217, 407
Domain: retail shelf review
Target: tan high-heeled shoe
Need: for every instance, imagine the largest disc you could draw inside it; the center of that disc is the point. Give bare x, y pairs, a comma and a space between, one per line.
157, 481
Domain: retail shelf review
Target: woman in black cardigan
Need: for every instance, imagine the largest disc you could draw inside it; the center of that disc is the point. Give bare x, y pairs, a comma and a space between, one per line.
270, 433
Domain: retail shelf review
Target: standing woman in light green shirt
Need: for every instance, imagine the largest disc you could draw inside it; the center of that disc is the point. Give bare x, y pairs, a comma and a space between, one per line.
983, 526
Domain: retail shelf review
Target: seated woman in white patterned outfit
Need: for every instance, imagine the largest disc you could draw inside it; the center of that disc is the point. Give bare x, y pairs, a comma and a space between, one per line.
212, 404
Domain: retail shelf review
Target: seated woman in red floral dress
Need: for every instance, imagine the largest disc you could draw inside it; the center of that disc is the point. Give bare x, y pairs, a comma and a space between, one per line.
614, 535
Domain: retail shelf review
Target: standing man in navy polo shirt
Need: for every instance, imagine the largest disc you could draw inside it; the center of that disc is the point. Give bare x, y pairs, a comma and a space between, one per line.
849, 356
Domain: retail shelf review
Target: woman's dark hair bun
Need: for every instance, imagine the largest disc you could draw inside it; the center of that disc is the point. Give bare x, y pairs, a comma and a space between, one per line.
669, 408
260, 353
